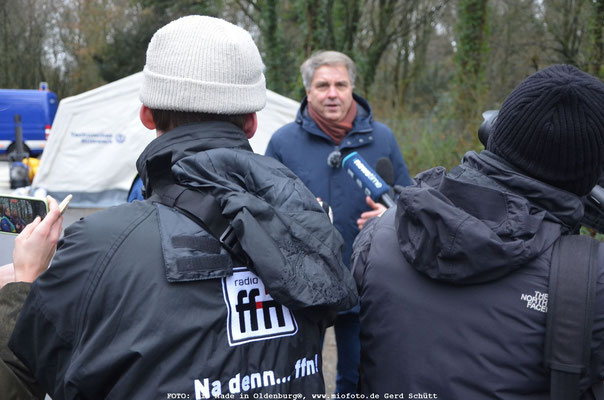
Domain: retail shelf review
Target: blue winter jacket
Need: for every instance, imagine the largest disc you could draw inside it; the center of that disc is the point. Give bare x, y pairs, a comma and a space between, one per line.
304, 149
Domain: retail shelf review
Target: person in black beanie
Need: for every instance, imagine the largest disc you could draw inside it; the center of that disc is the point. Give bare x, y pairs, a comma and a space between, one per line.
454, 280
550, 128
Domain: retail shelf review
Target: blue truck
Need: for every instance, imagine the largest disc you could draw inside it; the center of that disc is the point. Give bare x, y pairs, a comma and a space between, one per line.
37, 109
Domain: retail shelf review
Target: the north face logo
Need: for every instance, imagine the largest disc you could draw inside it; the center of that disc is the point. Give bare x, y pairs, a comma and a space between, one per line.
252, 312
538, 301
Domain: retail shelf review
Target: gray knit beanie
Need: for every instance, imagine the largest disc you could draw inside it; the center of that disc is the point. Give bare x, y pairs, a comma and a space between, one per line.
551, 127
203, 64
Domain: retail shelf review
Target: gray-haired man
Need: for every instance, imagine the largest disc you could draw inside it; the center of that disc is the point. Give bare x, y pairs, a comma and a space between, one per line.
331, 123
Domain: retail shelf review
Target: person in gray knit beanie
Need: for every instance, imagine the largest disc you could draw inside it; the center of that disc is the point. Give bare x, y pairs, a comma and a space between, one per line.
221, 282
551, 127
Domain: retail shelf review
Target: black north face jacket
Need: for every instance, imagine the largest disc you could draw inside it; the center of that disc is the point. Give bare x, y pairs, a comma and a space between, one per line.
142, 303
454, 285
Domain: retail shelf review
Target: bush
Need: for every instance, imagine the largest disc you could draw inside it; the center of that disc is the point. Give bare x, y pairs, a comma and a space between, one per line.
432, 141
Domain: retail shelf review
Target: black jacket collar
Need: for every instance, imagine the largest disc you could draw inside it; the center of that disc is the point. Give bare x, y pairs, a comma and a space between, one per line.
191, 139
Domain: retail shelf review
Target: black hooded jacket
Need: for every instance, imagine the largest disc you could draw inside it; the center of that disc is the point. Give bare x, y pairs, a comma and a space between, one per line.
454, 283
140, 302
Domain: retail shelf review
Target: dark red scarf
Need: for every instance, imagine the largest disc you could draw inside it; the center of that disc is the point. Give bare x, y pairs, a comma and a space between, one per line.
335, 130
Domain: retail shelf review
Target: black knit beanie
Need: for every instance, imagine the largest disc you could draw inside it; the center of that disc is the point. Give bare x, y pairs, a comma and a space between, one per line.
551, 127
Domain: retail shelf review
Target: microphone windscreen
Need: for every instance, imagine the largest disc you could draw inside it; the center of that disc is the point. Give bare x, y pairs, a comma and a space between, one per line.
384, 168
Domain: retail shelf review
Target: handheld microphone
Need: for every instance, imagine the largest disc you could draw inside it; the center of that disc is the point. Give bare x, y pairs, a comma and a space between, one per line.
384, 168
367, 179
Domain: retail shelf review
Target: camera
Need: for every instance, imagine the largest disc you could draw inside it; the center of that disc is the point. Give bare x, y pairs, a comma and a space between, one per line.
593, 202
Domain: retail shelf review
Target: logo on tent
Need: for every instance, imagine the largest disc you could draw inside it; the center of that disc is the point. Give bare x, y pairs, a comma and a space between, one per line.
120, 138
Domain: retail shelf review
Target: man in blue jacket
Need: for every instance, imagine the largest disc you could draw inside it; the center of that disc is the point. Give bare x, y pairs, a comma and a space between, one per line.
333, 122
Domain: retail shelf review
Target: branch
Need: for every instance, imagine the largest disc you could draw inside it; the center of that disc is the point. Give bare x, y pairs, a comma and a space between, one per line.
245, 9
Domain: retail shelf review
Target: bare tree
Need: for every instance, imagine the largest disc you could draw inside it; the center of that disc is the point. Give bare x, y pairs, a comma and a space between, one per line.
596, 42
23, 27
516, 44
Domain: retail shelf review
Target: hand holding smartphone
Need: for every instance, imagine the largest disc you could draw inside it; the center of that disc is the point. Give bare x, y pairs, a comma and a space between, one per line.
36, 244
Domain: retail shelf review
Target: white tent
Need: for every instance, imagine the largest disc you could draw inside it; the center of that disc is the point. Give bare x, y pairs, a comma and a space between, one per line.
97, 137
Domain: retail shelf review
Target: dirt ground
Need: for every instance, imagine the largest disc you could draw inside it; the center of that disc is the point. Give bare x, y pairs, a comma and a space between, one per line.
330, 360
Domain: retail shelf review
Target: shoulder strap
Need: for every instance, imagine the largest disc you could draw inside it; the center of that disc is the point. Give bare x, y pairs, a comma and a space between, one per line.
571, 301
203, 208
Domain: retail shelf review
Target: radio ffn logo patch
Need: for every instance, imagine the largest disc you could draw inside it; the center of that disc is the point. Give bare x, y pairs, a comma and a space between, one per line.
252, 314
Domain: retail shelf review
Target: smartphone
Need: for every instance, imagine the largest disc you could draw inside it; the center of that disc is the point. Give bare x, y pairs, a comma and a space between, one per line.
18, 211
64, 204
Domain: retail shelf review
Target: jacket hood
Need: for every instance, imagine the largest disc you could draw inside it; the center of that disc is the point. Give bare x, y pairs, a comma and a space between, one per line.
362, 122
481, 221
290, 240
